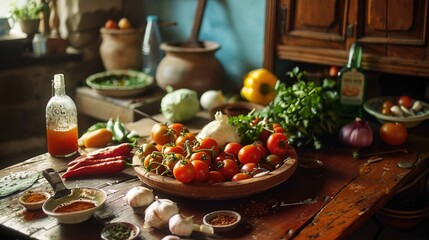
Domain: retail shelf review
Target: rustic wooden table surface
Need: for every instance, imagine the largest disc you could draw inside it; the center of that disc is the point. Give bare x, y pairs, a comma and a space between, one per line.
326, 204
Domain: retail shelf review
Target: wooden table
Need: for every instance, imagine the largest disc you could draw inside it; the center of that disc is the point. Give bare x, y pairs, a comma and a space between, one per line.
327, 204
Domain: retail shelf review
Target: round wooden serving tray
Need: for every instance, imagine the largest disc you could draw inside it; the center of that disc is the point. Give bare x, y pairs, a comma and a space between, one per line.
217, 191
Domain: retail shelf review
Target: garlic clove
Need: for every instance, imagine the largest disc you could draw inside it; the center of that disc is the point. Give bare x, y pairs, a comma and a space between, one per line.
417, 106
396, 110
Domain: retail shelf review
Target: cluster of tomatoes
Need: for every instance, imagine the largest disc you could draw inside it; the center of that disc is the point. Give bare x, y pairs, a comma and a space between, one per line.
178, 153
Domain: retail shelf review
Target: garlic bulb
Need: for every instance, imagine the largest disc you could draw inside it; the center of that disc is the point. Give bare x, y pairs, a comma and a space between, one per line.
159, 213
171, 237
220, 130
181, 225
139, 197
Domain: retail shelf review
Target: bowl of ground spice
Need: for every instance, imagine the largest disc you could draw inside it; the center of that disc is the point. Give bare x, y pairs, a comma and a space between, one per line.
222, 220
33, 200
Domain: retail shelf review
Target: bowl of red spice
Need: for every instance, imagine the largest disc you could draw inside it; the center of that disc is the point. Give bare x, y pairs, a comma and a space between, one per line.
222, 220
33, 200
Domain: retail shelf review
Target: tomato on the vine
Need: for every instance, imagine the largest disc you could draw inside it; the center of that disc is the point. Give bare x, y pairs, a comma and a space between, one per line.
249, 154
233, 148
171, 159
241, 176
248, 167
178, 128
201, 171
228, 168
272, 160
145, 149
278, 144
184, 171
215, 177
153, 163
202, 156
162, 135
187, 136
209, 145
224, 155
405, 101
393, 134
173, 149
262, 149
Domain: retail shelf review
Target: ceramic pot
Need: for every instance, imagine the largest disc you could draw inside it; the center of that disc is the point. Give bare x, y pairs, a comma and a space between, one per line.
120, 49
194, 68
30, 26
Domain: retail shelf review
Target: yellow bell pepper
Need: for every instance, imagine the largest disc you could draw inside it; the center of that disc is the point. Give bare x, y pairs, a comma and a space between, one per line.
258, 86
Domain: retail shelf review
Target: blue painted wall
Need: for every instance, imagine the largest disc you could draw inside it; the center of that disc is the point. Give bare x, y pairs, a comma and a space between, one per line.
238, 25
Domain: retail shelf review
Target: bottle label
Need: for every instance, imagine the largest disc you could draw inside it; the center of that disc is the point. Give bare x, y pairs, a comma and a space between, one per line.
60, 118
352, 87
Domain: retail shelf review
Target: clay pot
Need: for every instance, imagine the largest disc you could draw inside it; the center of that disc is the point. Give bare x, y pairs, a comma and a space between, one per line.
194, 68
121, 48
30, 26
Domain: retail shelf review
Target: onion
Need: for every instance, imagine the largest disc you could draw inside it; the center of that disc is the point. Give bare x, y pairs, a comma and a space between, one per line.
356, 134
211, 99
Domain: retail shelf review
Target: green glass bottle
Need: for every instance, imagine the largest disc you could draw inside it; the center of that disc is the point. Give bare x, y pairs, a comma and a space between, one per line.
351, 86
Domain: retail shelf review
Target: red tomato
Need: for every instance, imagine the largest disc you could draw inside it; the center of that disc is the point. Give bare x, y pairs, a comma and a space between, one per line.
208, 144
333, 71
263, 150
263, 136
241, 176
278, 144
405, 101
228, 168
173, 149
393, 134
178, 128
233, 148
249, 154
248, 167
202, 156
184, 171
111, 24
272, 160
215, 177
201, 171
224, 155
279, 130
275, 125
162, 135
180, 141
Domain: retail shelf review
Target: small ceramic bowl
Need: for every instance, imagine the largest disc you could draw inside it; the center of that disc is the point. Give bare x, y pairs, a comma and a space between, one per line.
222, 220
33, 200
310, 164
80, 197
120, 230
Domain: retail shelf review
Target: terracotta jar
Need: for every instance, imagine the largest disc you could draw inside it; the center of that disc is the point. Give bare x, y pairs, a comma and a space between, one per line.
194, 68
121, 48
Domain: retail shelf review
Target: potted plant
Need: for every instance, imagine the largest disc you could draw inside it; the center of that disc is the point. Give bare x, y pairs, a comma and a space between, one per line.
28, 15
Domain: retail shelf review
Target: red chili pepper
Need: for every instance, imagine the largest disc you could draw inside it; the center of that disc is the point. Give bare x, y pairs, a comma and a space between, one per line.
86, 162
104, 167
123, 149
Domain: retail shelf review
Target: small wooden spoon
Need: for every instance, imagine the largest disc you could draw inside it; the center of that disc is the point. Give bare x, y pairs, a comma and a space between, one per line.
193, 41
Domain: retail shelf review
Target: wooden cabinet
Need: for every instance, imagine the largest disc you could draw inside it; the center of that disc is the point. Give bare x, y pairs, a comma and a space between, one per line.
393, 33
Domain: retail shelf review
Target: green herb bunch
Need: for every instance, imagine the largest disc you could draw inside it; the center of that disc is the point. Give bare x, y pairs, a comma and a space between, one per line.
30, 10
305, 109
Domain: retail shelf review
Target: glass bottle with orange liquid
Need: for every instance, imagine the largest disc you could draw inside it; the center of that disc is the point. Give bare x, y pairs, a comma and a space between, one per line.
61, 121
351, 86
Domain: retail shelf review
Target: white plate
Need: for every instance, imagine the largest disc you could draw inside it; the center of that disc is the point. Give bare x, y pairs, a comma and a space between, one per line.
373, 106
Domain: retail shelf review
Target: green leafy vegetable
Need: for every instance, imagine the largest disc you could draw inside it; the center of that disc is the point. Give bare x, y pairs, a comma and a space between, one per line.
304, 109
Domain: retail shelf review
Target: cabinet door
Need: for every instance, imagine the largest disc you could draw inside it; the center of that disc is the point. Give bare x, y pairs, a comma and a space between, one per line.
312, 30
394, 28
315, 23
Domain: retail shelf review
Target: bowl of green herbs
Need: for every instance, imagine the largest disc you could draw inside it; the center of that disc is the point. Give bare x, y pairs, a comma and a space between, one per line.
120, 83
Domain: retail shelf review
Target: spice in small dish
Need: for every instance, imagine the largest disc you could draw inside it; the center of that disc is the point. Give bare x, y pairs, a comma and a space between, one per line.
120, 231
33, 200
222, 220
